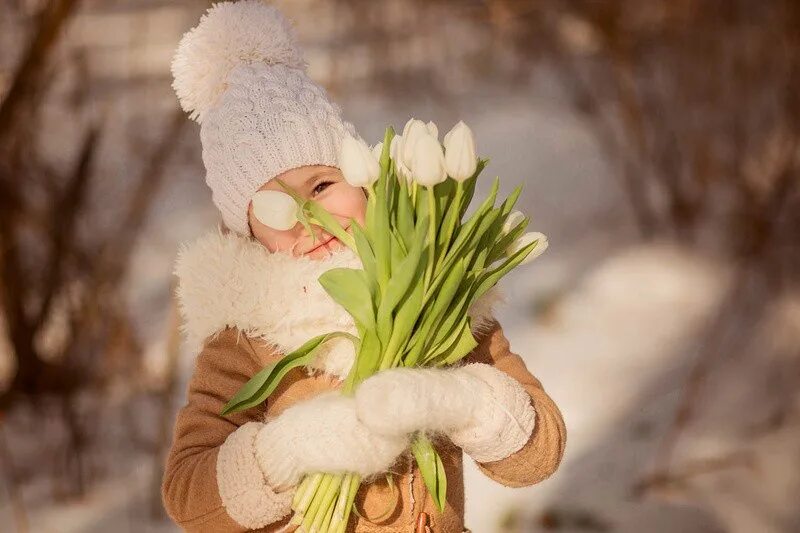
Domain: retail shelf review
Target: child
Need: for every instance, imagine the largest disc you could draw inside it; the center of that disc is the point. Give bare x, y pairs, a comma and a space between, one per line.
249, 294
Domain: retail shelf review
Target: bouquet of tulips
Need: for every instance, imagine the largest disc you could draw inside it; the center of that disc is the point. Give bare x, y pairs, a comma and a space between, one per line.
424, 265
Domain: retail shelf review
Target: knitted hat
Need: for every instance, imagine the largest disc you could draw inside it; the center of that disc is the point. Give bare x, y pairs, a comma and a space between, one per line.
240, 73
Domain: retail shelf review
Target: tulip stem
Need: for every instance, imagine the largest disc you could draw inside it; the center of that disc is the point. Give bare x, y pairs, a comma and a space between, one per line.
431, 235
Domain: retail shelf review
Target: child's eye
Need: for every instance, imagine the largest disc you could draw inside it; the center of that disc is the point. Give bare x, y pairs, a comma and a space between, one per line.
318, 190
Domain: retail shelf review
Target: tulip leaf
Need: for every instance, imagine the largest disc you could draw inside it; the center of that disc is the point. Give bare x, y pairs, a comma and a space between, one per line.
501, 245
469, 186
461, 346
349, 288
364, 249
444, 194
407, 314
466, 231
381, 243
368, 356
447, 328
264, 383
449, 220
447, 291
405, 215
509, 202
488, 279
432, 470
405, 272
398, 252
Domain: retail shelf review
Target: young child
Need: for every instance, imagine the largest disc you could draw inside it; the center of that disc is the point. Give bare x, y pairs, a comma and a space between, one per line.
249, 294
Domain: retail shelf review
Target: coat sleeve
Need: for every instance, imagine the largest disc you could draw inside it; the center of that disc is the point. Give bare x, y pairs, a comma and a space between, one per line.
542, 453
212, 481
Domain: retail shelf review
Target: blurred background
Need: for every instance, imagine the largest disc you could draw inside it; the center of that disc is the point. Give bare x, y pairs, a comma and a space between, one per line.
659, 145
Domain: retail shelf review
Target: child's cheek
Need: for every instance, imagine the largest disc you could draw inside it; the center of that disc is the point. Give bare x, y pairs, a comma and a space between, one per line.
348, 202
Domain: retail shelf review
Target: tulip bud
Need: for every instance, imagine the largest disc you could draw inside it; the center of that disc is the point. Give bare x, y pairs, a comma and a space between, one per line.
524, 241
514, 218
357, 163
275, 209
460, 159
377, 150
412, 131
402, 170
432, 129
428, 162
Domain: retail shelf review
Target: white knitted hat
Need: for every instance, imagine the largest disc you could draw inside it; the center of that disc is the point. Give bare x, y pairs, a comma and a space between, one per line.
240, 73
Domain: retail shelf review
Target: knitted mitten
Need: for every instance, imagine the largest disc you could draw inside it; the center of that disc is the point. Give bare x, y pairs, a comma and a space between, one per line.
482, 409
323, 434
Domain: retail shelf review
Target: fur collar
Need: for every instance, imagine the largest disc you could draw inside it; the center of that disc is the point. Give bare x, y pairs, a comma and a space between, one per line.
225, 279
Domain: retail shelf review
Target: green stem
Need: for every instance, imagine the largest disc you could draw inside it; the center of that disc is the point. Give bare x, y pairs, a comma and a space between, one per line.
326, 502
313, 509
355, 481
308, 494
341, 502
431, 235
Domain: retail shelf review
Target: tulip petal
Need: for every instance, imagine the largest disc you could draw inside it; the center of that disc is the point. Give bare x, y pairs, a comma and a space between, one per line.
275, 209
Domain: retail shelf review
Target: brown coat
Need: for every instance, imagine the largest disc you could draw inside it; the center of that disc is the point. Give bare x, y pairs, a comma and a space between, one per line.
231, 357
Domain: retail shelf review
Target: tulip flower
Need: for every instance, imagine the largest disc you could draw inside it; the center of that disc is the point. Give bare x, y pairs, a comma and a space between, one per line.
432, 129
377, 150
394, 152
275, 209
460, 159
514, 218
524, 241
413, 130
428, 165
357, 163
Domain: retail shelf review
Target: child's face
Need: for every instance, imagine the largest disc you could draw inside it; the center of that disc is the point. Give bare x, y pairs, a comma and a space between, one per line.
325, 185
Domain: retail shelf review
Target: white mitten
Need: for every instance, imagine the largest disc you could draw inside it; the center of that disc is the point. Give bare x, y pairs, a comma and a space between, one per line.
482, 409
323, 434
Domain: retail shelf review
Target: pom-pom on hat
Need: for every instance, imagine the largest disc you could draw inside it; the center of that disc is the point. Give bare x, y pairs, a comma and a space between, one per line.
241, 74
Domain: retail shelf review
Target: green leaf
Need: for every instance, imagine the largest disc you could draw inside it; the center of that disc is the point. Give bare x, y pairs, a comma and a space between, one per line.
449, 221
368, 355
489, 279
500, 246
464, 343
349, 288
407, 315
405, 272
405, 214
469, 186
364, 249
329, 222
398, 251
264, 383
432, 469
467, 231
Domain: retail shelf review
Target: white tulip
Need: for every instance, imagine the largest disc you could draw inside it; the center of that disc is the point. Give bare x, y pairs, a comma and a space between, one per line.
403, 172
514, 218
460, 159
428, 162
275, 209
357, 163
524, 241
377, 150
432, 129
412, 131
